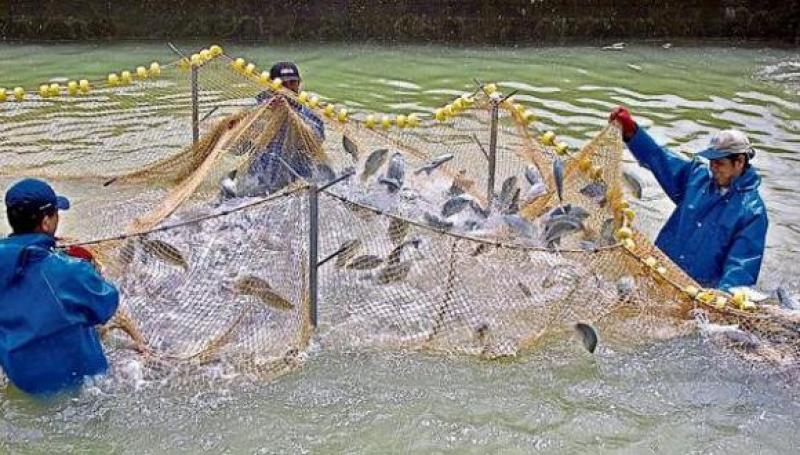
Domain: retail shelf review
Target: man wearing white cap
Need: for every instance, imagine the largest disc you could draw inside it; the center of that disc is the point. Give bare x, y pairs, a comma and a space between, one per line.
719, 227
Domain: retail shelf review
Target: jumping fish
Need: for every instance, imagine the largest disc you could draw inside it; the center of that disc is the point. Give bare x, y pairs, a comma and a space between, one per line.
393, 273
588, 336
436, 222
398, 229
256, 287
433, 164
365, 262
348, 251
166, 252
374, 162
350, 147
558, 175
634, 183
455, 205
395, 173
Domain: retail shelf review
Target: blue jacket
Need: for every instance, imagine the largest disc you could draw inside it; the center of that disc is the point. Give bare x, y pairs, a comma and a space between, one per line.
717, 239
272, 174
49, 306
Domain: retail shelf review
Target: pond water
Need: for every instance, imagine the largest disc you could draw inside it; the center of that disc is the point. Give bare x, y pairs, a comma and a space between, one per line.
676, 396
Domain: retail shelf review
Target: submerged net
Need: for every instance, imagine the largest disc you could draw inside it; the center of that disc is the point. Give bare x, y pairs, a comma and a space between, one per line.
214, 257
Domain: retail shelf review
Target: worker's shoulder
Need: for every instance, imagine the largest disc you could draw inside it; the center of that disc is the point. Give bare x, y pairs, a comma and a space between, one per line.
753, 204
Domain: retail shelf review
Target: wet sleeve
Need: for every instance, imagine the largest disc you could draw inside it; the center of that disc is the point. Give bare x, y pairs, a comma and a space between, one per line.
84, 291
671, 170
743, 262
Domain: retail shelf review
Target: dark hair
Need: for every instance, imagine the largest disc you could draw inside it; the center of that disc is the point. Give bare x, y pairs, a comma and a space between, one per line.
24, 221
733, 158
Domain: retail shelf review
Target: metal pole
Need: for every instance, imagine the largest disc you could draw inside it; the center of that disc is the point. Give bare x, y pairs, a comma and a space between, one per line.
492, 154
195, 108
313, 243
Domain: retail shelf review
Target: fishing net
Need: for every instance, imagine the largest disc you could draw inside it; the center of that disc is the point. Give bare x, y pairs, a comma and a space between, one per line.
226, 252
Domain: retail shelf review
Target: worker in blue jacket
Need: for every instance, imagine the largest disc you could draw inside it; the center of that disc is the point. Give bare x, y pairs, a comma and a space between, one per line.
50, 301
719, 227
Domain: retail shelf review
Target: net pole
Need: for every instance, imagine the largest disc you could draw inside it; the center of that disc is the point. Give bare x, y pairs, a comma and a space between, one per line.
492, 153
195, 108
313, 243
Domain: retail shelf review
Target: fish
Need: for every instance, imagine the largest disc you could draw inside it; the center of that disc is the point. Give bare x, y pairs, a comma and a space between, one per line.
455, 205
507, 192
398, 229
365, 262
607, 233
433, 164
595, 191
374, 162
480, 249
460, 184
476, 207
395, 173
394, 255
127, 252
257, 287
520, 225
556, 229
228, 185
348, 251
614, 47
785, 300
436, 222
532, 175
324, 173
744, 339
634, 183
525, 289
350, 147
626, 285
166, 252
588, 336
569, 210
513, 204
393, 273
558, 175
587, 245
534, 192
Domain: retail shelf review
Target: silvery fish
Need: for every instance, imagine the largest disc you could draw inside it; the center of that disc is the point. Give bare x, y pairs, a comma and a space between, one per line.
634, 183
569, 210
525, 289
558, 175
256, 287
595, 191
166, 252
348, 251
374, 162
394, 255
785, 300
228, 185
507, 192
588, 336
393, 273
534, 191
350, 147
365, 262
744, 339
455, 205
398, 228
436, 222
520, 225
476, 207
556, 229
532, 175
395, 173
433, 164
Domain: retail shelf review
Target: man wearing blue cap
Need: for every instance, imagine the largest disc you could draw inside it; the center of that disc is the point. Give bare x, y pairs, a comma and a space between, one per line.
50, 302
718, 229
269, 172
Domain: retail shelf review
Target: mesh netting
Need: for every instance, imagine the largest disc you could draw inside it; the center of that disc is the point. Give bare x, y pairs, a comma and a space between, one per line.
215, 261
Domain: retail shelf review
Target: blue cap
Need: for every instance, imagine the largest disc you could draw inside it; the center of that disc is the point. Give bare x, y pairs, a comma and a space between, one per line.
32, 196
715, 154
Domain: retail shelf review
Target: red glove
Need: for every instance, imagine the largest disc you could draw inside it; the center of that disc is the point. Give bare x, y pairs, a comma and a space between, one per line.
621, 115
80, 253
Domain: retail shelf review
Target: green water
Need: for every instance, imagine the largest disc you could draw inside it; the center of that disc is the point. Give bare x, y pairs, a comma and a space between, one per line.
677, 396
